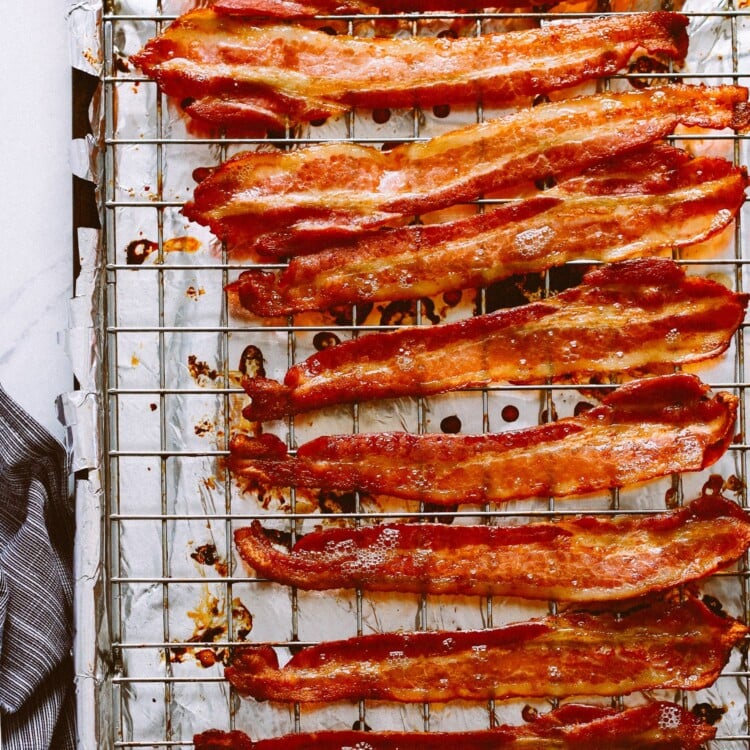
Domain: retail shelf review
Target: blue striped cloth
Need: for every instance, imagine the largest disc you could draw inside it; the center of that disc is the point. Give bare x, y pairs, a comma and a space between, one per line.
37, 698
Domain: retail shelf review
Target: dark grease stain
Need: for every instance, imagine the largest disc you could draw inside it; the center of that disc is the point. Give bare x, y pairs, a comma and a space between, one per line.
564, 277
324, 340
509, 413
242, 619
138, 250
198, 368
450, 425
251, 362
206, 554
337, 502
522, 289
404, 312
549, 415
381, 115
279, 537
644, 65
511, 292
708, 713
343, 315
714, 605
713, 485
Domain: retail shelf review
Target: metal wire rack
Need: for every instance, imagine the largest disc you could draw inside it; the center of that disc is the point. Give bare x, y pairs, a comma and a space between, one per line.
177, 596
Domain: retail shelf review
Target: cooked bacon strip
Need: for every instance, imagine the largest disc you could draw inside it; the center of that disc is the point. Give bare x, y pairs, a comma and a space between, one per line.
338, 189
654, 726
662, 644
577, 559
609, 220
644, 429
624, 317
310, 8
306, 74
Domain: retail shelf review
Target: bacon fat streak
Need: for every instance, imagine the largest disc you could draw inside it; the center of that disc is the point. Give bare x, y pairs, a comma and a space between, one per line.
662, 644
670, 319
645, 429
578, 559
237, 73
333, 190
654, 726
639, 205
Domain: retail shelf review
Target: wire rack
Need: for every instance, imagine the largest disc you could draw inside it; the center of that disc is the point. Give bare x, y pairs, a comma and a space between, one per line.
178, 599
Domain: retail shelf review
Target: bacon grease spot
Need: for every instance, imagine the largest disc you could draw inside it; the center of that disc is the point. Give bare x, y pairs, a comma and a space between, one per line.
509, 413
138, 250
381, 115
251, 362
451, 425
324, 340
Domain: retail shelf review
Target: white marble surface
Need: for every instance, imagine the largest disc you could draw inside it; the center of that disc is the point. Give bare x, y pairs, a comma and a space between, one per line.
35, 206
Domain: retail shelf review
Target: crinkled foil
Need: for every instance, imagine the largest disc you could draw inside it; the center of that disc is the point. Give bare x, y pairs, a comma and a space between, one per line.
161, 595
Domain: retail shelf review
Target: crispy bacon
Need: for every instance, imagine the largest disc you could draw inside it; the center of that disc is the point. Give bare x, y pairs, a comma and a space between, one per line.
577, 559
271, 201
226, 64
660, 644
599, 217
310, 8
645, 429
654, 726
671, 319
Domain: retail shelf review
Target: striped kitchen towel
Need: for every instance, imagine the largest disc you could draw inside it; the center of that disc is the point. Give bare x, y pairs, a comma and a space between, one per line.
37, 697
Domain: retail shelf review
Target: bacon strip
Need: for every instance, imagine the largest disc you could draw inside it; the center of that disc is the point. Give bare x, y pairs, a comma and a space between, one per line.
608, 221
670, 319
310, 8
645, 429
578, 559
662, 644
306, 74
654, 726
338, 189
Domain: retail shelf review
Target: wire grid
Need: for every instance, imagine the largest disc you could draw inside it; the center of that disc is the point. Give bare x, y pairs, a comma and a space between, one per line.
166, 484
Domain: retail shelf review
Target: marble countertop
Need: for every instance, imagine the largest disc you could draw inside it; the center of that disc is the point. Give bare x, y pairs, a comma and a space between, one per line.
35, 207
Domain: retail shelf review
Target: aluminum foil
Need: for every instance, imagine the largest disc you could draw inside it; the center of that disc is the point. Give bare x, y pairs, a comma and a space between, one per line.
161, 594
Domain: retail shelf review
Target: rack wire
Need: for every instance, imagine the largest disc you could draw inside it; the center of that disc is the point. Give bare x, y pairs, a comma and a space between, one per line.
178, 598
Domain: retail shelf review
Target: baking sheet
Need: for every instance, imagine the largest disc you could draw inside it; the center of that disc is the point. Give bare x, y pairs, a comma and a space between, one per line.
162, 596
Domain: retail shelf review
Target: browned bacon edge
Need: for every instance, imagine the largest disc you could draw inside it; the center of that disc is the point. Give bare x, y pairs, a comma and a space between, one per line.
580, 559
575, 726
665, 201
262, 74
625, 317
335, 190
644, 429
310, 8
665, 643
